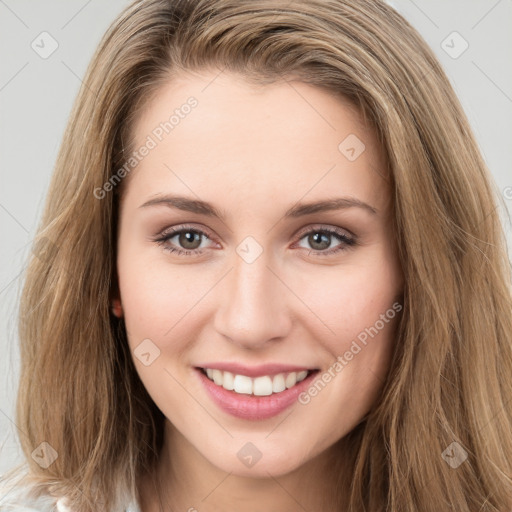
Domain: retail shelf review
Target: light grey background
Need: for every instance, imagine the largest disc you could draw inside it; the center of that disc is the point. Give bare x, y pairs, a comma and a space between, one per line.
36, 96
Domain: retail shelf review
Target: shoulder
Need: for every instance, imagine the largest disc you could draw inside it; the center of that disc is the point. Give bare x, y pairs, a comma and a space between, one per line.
18, 494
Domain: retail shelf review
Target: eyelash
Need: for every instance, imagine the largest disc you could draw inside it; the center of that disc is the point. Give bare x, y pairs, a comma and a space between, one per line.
172, 232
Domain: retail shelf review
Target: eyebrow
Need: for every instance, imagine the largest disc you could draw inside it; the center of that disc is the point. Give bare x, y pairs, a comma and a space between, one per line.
297, 210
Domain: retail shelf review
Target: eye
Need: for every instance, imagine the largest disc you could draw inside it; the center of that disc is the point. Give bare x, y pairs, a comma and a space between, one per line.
187, 240
320, 239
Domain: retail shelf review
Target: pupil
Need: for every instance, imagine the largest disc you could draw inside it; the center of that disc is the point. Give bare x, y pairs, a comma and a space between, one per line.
316, 239
188, 238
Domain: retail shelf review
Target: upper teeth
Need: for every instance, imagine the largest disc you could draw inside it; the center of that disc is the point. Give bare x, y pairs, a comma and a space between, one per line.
259, 386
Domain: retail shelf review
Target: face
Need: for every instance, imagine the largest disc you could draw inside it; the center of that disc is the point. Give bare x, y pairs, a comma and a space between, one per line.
228, 272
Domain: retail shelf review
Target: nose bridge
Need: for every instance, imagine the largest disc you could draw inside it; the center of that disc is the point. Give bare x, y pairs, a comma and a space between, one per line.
252, 306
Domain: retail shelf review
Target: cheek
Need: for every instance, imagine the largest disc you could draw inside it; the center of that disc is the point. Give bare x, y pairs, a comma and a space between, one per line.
360, 309
338, 304
346, 301
156, 297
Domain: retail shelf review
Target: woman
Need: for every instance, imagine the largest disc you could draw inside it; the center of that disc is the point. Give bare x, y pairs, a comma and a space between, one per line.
270, 273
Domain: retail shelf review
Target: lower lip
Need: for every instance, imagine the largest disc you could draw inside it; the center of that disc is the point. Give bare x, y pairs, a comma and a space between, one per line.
252, 407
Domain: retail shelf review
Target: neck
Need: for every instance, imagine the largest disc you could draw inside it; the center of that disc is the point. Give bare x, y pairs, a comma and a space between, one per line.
185, 480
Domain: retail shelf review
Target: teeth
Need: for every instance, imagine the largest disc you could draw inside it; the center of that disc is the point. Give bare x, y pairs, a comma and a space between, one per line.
242, 384
290, 380
262, 386
301, 375
278, 384
259, 386
228, 381
217, 377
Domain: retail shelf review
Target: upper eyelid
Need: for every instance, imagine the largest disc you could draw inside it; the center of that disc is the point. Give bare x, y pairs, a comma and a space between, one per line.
299, 234
322, 227
319, 227
171, 231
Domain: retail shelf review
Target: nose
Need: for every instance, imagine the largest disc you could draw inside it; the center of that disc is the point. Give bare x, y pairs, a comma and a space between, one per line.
253, 305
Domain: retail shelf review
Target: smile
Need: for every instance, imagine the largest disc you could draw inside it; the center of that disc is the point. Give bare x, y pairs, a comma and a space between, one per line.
264, 385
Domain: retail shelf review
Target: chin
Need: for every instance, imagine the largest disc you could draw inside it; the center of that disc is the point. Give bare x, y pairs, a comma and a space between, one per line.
250, 461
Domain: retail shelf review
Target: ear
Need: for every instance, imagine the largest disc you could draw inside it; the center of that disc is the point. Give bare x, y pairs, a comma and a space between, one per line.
117, 308
115, 297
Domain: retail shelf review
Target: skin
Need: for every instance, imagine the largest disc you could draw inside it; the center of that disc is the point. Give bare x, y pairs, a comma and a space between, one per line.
253, 152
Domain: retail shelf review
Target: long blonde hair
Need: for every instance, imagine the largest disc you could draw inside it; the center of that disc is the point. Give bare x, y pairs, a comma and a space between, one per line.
450, 379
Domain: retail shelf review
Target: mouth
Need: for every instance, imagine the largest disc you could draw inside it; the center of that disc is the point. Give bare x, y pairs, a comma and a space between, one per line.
268, 393
264, 385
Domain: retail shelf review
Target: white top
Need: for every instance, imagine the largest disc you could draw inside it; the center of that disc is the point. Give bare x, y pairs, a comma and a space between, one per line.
16, 497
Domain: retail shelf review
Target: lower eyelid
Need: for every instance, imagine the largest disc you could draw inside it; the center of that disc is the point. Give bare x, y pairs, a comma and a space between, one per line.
345, 242
166, 237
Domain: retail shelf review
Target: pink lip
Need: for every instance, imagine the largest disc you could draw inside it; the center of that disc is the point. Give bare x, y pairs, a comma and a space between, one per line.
250, 407
254, 371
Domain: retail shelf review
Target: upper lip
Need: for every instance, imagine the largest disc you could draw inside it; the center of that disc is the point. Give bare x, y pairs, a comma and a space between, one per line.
255, 371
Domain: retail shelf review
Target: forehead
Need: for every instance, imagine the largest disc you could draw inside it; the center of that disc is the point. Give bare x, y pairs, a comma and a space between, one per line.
254, 142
